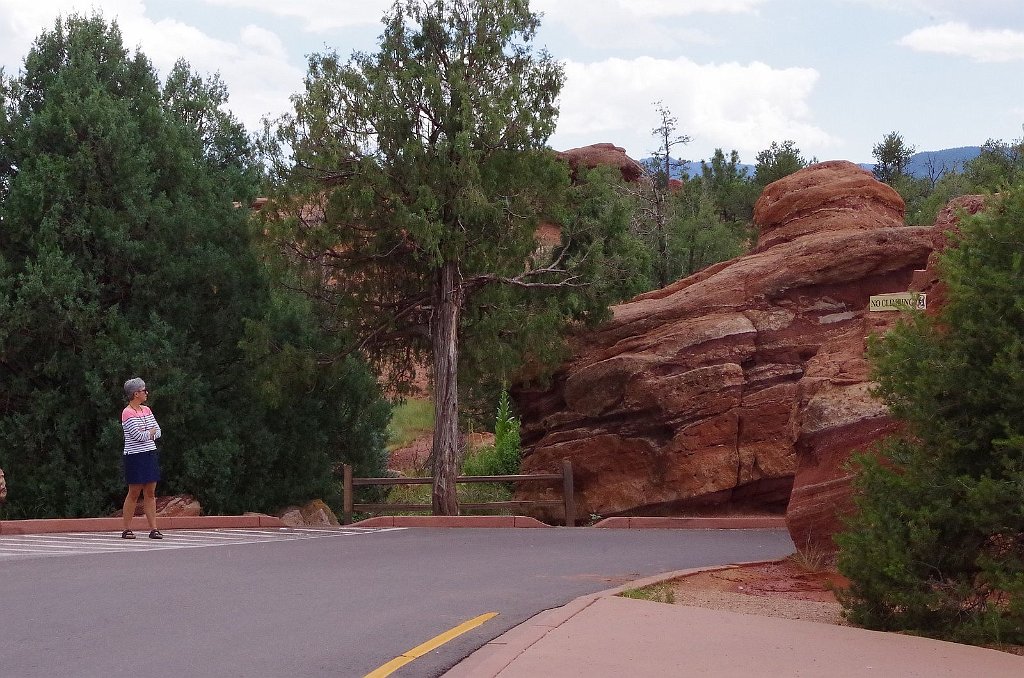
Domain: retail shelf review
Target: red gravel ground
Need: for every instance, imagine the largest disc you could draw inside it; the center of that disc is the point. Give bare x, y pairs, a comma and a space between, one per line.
780, 579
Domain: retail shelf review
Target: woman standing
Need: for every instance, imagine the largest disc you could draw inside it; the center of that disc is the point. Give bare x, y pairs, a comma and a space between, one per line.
141, 466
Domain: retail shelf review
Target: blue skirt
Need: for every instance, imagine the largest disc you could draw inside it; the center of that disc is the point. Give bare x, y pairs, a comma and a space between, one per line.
142, 467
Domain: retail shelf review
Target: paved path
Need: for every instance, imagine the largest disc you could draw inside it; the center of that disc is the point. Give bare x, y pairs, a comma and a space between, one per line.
80, 543
604, 636
332, 606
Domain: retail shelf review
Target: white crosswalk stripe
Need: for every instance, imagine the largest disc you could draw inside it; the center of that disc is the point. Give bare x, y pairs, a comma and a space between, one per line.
78, 543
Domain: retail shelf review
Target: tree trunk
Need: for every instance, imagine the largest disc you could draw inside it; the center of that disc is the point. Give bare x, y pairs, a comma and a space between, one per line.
444, 338
662, 225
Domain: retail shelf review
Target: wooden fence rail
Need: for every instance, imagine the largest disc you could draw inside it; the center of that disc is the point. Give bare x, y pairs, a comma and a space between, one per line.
566, 501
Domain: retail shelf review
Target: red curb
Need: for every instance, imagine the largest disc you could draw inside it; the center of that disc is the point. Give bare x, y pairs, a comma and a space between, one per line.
526, 521
450, 521
378, 521
679, 523
49, 525
619, 522
454, 521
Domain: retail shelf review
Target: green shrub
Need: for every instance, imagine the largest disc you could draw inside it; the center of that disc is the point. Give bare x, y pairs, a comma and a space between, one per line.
503, 457
500, 459
937, 544
934, 554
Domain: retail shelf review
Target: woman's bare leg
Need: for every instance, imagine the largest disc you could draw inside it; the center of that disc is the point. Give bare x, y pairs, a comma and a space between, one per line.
128, 510
149, 503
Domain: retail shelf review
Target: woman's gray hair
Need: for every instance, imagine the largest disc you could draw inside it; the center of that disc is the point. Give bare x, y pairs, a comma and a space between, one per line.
133, 386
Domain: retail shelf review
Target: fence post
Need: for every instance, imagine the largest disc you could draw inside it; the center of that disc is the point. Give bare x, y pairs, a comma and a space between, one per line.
346, 516
567, 492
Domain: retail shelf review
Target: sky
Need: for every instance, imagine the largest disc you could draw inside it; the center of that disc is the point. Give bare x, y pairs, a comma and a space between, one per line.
834, 76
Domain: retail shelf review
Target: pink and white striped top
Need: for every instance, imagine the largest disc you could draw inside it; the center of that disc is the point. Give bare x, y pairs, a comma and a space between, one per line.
136, 427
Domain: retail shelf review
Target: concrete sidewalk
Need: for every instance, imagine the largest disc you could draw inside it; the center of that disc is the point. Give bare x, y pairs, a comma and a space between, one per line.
605, 636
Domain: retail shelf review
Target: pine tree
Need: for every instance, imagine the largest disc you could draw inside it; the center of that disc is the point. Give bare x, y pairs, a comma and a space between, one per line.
662, 167
422, 176
778, 161
937, 545
892, 156
121, 254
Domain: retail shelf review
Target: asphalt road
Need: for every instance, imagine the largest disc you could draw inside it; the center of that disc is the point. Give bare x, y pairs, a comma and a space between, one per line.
339, 606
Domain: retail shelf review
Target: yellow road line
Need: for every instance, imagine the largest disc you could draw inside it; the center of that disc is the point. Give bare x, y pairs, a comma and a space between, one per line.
432, 644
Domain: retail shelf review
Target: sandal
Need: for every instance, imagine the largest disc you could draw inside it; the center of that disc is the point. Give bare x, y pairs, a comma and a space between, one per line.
127, 534
155, 534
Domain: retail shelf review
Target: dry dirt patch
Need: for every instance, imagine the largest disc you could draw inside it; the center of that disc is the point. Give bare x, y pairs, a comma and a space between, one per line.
411, 459
775, 589
780, 588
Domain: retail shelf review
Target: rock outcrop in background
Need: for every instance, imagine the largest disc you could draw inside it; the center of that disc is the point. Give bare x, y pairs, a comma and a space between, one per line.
745, 386
603, 155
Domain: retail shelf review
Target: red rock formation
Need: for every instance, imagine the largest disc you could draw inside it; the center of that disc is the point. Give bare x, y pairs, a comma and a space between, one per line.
744, 386
597, 155
171, 506
927, 281
314, 513
549, 235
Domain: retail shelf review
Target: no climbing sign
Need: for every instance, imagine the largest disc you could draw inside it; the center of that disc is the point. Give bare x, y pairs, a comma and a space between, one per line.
899, 301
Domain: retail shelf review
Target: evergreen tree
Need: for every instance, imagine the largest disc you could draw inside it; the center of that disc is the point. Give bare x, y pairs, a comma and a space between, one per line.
198, 104
778, 161
699, 234
121, 254
937, 545
892, 155
732, 190
418, 176
661, 168
999, 164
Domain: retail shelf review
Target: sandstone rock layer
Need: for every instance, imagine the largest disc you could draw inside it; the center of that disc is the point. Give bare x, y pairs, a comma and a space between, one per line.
744, 386
603, 155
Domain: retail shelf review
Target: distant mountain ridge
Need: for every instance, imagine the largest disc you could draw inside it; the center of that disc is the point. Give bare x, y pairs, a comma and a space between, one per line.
922, 165
935, 163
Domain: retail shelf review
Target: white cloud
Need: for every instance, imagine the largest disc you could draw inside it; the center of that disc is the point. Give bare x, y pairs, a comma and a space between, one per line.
262, 41
732, 106
994, 13
959, 39
627, 24
616, 9
254, 64
323, 15
21, 21
317, 15
676, 8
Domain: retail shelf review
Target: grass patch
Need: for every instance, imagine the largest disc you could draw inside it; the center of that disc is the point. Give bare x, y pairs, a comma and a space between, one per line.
475, 493
812, 559
658, 593
415, 418
410, 420
409, 494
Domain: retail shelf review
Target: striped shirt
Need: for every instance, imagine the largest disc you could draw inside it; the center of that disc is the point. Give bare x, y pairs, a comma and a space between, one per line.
136, 427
